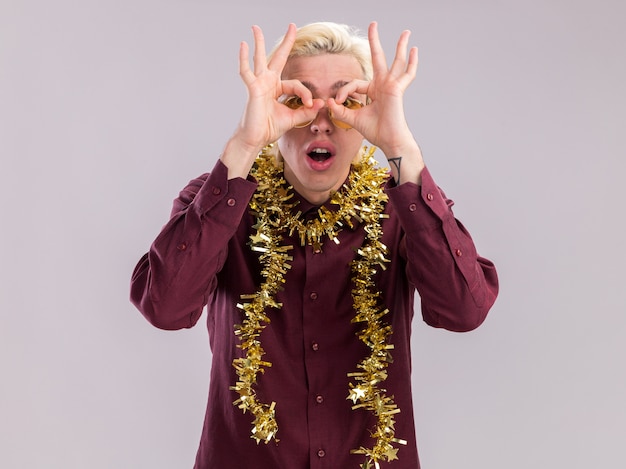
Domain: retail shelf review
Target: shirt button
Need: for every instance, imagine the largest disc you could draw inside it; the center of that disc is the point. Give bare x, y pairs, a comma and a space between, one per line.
217, 191
313, 296
321, 453
430, 196
231, 202
319, 399
412, 207
458, 252
315, 346
182, 246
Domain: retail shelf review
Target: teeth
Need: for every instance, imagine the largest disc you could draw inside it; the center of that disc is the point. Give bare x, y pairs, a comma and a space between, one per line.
319, 154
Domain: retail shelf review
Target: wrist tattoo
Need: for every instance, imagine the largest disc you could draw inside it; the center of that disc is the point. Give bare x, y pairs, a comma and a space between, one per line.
396, 163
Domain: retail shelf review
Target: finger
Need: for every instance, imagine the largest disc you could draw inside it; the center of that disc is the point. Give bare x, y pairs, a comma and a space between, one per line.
379, 63
279, 59
352, 88
399, 62
244, 64
340, 112
260, 61
305, 114
411, 69
295, 87
301, 115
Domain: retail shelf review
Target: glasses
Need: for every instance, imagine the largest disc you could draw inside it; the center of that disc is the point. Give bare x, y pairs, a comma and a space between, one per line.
295, 102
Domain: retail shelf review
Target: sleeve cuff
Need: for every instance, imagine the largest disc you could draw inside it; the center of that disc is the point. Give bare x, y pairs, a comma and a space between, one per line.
425, 205
232, 195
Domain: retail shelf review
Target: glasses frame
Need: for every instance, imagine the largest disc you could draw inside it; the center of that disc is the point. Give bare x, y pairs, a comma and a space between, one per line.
295, 102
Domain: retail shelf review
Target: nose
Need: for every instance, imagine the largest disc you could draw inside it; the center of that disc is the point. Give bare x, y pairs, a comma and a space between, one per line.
322, 122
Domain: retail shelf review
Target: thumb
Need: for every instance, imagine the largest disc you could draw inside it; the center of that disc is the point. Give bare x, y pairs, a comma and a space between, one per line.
342, 116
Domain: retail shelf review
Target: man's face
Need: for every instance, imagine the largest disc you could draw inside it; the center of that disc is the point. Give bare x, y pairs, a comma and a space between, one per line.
317, 157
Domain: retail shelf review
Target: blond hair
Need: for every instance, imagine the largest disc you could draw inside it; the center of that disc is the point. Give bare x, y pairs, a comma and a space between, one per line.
325, 37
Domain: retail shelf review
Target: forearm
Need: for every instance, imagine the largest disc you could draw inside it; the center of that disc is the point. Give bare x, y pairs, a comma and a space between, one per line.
171, 282
405, 161
457, 287
238, 156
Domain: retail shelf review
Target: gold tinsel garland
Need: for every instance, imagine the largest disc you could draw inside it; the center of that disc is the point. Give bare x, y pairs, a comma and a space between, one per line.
362, 200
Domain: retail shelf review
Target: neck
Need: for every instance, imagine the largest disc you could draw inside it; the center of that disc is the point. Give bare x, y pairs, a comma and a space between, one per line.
317, 194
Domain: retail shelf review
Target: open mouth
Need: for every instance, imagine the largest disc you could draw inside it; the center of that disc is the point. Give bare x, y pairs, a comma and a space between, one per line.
319, 154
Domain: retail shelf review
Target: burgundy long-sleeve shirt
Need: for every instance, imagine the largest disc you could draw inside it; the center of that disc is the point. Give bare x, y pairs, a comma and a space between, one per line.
201, 257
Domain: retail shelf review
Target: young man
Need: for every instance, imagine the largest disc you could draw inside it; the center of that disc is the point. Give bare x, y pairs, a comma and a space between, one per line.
307, 256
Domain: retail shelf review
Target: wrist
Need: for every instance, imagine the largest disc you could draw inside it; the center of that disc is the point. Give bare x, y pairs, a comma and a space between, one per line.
406, 147
406, 163
239, 157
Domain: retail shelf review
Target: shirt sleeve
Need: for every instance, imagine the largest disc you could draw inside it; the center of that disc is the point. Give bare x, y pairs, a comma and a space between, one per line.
172, 281
457, 287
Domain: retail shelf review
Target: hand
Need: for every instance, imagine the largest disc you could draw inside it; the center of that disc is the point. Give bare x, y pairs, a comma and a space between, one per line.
265, 119
382, 122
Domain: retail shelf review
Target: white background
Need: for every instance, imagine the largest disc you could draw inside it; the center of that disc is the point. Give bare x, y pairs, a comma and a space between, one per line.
108, 107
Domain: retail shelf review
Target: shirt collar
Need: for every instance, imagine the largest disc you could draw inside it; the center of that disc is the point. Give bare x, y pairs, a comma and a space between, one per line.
309, 210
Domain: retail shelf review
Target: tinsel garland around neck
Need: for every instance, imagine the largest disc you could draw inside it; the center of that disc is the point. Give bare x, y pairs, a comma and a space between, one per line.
360, 200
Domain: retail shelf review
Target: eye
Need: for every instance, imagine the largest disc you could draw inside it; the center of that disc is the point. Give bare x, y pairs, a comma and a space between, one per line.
352, 103
293, 102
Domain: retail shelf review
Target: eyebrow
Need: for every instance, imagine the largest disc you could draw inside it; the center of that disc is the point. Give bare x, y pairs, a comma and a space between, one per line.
334, 87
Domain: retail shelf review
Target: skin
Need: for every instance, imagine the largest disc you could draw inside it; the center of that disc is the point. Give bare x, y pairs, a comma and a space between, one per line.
324, 82
323, 75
